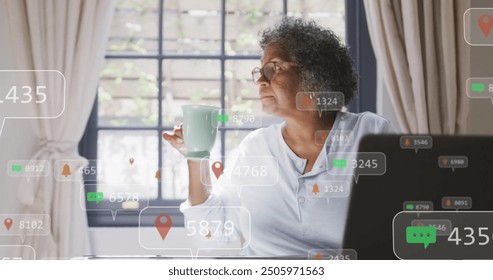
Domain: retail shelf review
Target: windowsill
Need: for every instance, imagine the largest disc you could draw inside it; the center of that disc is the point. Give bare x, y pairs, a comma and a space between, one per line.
132, 218
124, 241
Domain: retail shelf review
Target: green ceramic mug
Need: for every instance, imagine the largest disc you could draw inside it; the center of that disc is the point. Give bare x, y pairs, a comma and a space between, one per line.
199, 129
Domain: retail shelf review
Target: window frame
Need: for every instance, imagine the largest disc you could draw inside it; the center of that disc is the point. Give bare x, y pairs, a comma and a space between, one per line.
361, 50
359, 44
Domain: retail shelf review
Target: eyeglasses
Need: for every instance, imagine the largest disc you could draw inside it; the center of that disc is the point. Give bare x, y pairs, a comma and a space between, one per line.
268, 71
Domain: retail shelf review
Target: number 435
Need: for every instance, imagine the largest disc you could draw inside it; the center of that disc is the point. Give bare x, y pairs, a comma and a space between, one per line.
12, 94
455, 236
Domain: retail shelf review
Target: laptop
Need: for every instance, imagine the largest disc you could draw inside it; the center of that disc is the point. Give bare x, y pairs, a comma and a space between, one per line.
438, 170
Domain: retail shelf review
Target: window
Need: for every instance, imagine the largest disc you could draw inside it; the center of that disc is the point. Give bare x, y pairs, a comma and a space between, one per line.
164, 54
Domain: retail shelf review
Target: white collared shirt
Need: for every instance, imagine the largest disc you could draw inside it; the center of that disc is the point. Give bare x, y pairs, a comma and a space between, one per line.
287, 215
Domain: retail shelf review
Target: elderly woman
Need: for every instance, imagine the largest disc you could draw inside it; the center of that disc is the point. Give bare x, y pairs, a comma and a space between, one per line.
288, 216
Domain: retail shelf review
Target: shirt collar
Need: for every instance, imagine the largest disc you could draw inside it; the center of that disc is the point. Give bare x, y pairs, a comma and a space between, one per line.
322, 161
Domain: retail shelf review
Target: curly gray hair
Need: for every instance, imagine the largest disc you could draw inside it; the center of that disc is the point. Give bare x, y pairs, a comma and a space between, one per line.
323, 61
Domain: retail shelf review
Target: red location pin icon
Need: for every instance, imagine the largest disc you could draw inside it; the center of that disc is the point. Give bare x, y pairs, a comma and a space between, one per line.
8, 223
163, 225
131, 160
217, 168
485, 22
306, 101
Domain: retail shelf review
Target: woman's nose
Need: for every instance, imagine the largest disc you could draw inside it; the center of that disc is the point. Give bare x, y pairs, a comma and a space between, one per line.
262, 81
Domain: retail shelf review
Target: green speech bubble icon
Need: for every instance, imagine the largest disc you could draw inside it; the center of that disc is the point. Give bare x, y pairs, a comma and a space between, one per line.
421, 234
477, 87
17, 168
94, 197
339, 163
222, 118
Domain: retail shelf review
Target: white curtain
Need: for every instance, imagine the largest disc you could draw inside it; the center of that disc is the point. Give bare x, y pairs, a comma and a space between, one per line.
71, 37
424, 60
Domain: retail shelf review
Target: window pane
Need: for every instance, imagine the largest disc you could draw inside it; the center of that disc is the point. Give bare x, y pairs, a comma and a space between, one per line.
242, 93
192, 27
134, 28
129, 160
233, 140
174, 179
330, 14
128, 93
244, 19
189, 81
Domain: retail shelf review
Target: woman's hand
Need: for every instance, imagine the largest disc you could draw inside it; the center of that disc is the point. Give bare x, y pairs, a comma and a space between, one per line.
175, 138
197, 191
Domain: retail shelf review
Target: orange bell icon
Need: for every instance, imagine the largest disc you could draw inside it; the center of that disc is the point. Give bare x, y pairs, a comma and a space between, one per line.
315, 189
407, 142
66, 170
158, 175
448, 203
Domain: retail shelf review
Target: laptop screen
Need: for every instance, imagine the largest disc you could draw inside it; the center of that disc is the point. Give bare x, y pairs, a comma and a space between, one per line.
427, 197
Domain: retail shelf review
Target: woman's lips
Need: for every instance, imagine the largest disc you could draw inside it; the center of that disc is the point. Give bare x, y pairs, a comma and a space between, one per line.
265, 96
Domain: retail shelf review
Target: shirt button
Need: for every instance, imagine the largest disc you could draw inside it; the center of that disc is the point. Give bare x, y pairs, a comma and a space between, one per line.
307, 230
301, 200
